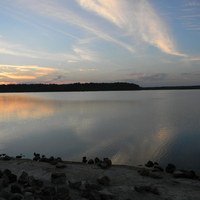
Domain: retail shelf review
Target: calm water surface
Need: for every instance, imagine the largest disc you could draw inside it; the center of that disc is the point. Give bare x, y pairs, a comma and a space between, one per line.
130, 127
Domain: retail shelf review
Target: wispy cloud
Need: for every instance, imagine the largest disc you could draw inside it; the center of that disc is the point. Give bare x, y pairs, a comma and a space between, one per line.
148, 77
72, 61
14, 72
190, 16
85, 53
15, 49
137, 19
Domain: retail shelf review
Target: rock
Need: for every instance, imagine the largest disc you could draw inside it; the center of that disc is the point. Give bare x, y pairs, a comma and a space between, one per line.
96, 160
155, 175
58, 178
92, 186
18, 157
90, 161
1, 173
16, 196
49, 190
4, 181
170, 168
54, 162
36, 158
7, 172
74, 183
107, 161
95, 195
185, 174
28, 198
141, 188
12, 178
23, 179
103, 180
60, 197
159, 168
7, 158
64, 190
102, 165
38, 183
61, 165
155, 163
4, 194
16, 189
85, 193
43, 159
59, 159
105, 195
143, 172
178, 174
149, 164
153, 189
84, 160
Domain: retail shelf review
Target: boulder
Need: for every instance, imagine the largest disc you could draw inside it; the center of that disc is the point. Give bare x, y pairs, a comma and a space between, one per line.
61, 165
158, 168
58, 178
23, 179
7, 172
4, 181
95, 195
96, 160
4, 194
149, 164
170, 168
84, 160
105, 163
63, 190
7, 158
92, 186
91, 161
16, 196
153, 189
74, 183
16, 189
105, 195
141, 188
178, 174
156, 175
49, 190
103, 180
144, 172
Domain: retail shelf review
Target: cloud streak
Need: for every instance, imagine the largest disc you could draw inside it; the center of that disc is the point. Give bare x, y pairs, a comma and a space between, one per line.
137, 19
10, 73
15, 49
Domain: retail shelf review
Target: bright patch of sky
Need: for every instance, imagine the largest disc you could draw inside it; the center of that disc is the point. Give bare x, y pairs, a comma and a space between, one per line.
147, 42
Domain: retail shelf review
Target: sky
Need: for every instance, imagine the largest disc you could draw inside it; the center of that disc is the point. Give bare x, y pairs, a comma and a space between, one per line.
146, 42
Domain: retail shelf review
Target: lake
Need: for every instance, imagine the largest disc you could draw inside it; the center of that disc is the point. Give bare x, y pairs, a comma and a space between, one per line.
129, 127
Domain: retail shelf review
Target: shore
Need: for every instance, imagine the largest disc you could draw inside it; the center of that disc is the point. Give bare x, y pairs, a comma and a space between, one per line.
125, 181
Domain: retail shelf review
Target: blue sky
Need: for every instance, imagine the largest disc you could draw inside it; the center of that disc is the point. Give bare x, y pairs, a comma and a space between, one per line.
147, 42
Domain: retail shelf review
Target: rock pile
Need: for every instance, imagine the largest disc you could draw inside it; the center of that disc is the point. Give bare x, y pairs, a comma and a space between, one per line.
105, 163
26, 187
155, 170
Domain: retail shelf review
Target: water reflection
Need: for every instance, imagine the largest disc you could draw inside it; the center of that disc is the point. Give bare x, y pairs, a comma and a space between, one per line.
22, 107
128, 127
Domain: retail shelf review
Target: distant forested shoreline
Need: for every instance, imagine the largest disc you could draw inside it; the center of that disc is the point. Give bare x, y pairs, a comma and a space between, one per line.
117, 86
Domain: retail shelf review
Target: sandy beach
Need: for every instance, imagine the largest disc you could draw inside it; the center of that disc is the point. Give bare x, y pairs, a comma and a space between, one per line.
125, 181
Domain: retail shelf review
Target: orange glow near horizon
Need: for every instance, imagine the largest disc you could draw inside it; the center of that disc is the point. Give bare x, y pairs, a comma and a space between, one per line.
24, 107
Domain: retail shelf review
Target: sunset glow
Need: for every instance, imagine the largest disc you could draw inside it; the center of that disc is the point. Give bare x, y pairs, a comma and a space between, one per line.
147, 42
